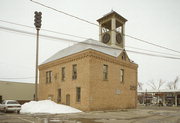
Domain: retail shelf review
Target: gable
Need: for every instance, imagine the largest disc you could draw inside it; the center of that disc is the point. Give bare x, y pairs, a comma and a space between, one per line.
123, 56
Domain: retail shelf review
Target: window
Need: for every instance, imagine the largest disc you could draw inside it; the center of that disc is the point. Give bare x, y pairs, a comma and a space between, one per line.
74, 72
59, 96
48, 76
78, 94
63, 73
124, 56
121, 75
105, 72
12, 102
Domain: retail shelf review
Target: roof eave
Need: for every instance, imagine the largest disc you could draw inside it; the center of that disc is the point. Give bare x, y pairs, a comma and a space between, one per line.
112, 13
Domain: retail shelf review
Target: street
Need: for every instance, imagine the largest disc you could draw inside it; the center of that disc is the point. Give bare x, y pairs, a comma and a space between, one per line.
139, 115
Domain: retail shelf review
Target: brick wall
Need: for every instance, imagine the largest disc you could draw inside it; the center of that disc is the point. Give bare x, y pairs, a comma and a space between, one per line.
96, 94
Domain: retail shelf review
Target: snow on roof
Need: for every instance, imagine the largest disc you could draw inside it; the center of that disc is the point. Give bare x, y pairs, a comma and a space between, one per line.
155, 91
81, 46
46, 106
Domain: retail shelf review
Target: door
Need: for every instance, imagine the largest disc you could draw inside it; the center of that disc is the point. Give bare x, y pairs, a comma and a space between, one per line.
0, 103
67, 99
0, 99
59, 96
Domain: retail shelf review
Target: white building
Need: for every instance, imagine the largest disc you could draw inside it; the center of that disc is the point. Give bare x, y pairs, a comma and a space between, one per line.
22, 92
166, 97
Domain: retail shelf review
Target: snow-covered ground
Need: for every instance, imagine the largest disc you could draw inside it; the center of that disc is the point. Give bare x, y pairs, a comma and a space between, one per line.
46, 106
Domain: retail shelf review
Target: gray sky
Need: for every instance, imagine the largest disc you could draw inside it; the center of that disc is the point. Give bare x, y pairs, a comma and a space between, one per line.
156, 21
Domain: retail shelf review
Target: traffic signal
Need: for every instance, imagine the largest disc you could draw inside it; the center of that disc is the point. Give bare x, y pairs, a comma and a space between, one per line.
37, 19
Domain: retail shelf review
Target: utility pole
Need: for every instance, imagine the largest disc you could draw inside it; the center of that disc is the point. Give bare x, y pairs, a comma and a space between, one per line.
37, 24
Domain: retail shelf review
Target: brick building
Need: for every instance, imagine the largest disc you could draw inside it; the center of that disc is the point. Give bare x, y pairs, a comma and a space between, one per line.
92, 75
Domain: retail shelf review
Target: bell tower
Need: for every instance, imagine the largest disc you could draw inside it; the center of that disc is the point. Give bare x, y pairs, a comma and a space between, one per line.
112, 29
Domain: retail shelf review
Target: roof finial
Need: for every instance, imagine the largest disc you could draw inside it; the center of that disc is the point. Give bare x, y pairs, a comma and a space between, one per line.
112, 10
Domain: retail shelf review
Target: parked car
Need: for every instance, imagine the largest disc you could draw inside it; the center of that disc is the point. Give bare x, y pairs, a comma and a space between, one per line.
10, 105
169, 103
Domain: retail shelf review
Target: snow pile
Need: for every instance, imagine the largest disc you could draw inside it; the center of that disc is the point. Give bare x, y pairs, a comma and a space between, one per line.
46, 106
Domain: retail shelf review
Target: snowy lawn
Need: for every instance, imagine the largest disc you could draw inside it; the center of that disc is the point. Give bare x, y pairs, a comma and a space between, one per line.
46, 106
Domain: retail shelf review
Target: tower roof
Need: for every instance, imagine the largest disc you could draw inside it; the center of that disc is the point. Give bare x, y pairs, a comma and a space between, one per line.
112, 14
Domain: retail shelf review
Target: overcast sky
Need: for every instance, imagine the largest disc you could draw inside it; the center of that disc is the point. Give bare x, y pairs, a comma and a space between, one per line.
156, 21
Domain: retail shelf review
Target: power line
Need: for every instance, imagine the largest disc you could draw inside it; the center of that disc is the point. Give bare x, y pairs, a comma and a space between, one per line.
19, 78
64, 34
16, 24
87, 38
98, 26
64, 13
43, 29
152, 44
30, 33
152, 54
57, 38
152, 51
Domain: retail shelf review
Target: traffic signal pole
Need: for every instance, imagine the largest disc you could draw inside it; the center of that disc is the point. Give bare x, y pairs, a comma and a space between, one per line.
36, 69
37, 24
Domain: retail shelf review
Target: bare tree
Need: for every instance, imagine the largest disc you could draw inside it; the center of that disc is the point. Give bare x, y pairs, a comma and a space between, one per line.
160, 83
154, 86
169, 85
140, 85
173, 84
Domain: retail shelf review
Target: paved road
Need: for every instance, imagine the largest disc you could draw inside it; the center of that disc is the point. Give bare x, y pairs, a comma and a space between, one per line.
140, 115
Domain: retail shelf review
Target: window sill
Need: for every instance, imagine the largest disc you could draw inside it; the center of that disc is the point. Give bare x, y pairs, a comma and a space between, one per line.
49, 83
78, 102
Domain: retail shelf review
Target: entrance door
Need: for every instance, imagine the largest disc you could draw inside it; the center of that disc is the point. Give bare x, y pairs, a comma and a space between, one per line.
0, 99
67, 99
